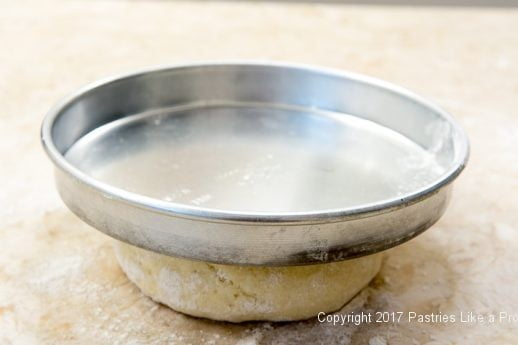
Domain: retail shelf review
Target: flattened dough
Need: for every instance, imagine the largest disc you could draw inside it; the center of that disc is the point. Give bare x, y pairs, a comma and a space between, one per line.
239, 293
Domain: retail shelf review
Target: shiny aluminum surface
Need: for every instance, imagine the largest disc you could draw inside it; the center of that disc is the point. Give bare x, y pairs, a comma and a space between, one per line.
254, 164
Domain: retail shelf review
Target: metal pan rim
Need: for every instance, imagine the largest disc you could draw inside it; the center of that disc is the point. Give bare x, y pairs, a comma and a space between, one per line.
216, 215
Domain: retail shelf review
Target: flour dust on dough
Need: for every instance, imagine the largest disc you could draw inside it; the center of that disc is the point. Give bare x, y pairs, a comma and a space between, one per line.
244, 293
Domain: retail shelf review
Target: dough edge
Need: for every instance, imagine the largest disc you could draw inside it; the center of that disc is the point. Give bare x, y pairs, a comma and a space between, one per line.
245, 293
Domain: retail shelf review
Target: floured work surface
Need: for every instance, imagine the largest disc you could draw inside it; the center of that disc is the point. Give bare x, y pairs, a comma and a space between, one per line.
59, 281
62, 284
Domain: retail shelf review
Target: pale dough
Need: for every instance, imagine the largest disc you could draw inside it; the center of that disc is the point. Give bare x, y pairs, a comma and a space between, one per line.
239, 293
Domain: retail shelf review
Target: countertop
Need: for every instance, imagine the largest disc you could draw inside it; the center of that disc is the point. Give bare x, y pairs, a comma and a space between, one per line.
59, 281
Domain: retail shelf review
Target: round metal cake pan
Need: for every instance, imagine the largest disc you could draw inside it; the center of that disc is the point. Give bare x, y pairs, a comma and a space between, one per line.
254, 163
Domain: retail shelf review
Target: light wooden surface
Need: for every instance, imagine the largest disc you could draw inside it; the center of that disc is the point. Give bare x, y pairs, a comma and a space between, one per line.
59, 281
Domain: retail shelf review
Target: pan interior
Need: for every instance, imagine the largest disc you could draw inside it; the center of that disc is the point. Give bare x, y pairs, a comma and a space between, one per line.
255, 159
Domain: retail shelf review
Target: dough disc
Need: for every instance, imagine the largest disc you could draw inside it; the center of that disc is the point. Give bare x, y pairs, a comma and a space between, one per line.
243, 293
